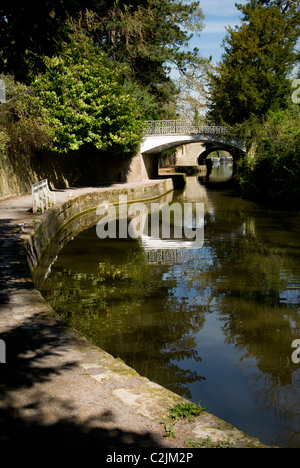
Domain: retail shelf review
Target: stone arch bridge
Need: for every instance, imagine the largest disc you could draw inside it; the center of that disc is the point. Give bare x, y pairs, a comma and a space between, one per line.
162, 135
165, 134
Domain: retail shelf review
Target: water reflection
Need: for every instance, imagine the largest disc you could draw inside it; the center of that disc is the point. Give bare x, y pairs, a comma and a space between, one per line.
215, 326
221, 172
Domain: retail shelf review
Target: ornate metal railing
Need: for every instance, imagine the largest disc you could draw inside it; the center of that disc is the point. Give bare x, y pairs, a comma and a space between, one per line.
181, 127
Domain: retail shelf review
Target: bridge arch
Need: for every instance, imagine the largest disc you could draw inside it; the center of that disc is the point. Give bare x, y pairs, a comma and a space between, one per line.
163, 135
202, 157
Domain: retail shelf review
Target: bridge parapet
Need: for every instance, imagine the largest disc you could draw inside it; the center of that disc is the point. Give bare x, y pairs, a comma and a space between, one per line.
181, 127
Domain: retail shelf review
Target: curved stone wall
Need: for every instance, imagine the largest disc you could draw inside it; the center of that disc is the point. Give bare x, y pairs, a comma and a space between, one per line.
47, 226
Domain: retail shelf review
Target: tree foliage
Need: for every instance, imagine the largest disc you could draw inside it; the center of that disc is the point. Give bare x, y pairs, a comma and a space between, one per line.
95, 90
24, 121
273, 174
31, 30
147, 35
251, 91
88, 101
253, 76
151, 37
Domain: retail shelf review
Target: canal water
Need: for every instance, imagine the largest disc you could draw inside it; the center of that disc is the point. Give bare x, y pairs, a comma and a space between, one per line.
215, 324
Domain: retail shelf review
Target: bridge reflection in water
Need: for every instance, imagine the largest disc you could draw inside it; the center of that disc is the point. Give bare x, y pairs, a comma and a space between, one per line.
219, 173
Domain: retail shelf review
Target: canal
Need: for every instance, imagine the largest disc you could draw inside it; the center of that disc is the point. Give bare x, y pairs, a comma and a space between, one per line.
215, 324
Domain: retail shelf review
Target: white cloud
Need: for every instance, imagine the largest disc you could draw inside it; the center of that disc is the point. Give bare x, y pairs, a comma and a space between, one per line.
214, 27
219, 14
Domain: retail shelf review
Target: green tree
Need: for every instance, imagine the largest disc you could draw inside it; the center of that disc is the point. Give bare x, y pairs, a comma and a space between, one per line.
88, 101
151, 37
253, 76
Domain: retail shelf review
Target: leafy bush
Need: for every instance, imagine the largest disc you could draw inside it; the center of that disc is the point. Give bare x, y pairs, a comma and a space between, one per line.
88, 101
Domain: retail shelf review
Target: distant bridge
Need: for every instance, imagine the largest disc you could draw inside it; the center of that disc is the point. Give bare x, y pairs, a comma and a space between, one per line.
161, 135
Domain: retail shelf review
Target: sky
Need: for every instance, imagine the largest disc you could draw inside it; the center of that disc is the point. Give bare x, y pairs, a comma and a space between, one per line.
218, 15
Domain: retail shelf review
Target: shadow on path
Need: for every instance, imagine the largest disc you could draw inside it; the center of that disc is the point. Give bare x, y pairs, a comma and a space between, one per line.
39, 379
33, 416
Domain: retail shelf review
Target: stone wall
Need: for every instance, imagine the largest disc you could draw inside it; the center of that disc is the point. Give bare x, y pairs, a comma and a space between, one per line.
187, 155
16, 175
55, 220
79, 169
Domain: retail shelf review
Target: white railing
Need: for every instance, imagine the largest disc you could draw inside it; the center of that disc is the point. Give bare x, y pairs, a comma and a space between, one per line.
181, 127
42, 197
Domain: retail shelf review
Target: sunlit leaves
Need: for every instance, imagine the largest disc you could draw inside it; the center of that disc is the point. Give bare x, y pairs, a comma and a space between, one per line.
88, 100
